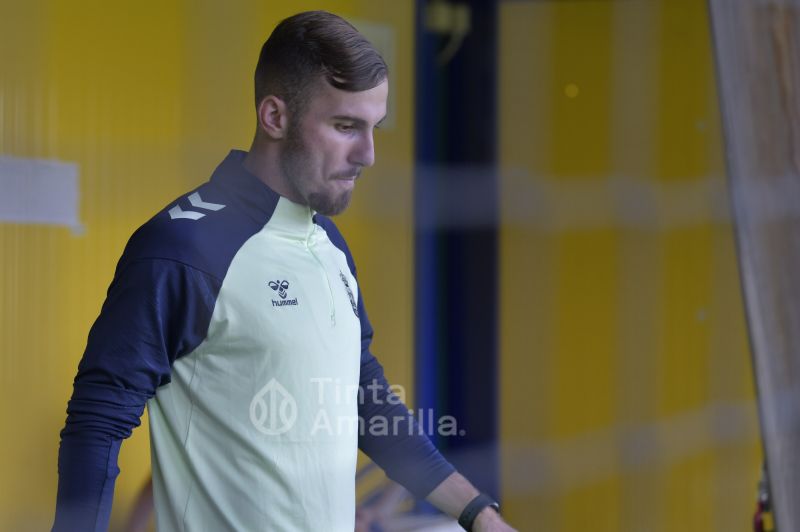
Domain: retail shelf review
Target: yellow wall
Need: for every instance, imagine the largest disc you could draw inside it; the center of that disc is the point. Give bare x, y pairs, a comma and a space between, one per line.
627, 398
147, 97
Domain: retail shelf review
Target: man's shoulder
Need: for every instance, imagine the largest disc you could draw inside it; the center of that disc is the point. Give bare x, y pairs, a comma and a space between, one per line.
202, 229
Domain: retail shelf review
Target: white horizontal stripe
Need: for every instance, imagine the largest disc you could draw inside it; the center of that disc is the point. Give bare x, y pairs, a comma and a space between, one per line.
38, 191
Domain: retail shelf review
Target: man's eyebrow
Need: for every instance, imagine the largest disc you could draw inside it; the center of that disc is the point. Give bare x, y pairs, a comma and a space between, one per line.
360, 122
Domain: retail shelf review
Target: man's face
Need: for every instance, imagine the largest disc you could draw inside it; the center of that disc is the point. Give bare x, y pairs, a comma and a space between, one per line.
331, 142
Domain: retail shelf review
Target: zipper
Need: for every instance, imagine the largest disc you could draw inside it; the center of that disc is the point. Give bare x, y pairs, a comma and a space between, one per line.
331, 305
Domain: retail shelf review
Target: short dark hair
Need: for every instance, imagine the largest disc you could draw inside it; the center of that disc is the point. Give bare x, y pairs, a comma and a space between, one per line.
312, 46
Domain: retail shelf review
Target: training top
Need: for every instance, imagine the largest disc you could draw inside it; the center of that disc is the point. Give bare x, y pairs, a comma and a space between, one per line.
235, 315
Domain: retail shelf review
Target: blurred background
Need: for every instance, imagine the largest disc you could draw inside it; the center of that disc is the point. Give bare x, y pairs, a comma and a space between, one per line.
545, 243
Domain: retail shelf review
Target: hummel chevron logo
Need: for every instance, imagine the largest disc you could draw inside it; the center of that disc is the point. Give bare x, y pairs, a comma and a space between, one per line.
281, 287
177, 212
196, 201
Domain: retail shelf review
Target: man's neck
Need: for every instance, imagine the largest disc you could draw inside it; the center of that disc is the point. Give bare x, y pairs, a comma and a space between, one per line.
262, 162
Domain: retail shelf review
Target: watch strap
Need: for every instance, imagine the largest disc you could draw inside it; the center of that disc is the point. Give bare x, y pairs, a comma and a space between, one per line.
475, 507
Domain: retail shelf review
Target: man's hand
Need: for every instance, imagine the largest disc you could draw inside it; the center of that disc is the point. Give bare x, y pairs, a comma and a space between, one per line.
490, 521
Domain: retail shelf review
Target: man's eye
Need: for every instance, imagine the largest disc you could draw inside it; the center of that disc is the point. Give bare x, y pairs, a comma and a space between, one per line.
345, 128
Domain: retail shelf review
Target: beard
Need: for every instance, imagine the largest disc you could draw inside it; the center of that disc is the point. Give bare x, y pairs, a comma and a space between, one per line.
300, 177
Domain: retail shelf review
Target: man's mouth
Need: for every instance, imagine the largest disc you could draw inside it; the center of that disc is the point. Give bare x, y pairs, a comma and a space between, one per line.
348, 177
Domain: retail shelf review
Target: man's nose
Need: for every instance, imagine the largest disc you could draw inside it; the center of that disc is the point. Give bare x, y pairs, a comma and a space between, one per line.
364, 151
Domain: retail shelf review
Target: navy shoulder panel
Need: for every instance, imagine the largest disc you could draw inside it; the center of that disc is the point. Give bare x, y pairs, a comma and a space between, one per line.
202, 229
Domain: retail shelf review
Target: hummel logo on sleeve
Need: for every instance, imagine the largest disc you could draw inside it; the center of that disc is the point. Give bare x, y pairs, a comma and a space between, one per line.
281, 288
196, 201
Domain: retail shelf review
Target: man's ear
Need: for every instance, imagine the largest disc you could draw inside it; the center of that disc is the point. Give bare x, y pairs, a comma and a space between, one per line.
272, 117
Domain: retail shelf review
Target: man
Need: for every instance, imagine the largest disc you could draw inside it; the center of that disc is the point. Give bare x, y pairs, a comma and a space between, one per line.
235, 315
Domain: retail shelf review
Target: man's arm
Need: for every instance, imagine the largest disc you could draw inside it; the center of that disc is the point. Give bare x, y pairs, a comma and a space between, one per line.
408, 456
154, 311
403, 451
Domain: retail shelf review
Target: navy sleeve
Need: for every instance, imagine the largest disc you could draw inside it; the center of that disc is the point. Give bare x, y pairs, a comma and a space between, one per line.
406, 454
155, 311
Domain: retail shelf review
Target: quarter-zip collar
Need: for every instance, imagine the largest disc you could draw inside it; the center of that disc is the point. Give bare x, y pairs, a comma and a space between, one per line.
292, 220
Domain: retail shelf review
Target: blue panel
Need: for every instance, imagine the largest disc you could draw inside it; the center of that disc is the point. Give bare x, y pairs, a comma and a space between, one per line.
456, 244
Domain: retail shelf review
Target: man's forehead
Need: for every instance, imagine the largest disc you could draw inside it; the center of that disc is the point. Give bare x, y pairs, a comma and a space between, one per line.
368, 105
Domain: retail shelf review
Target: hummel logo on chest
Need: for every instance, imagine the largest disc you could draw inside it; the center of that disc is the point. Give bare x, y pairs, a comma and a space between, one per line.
281, 288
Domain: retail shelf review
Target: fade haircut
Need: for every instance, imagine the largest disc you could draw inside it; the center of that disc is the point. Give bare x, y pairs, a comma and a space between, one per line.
309, 47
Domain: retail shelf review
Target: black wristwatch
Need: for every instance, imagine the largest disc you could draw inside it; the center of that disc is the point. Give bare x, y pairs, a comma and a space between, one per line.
472, 510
